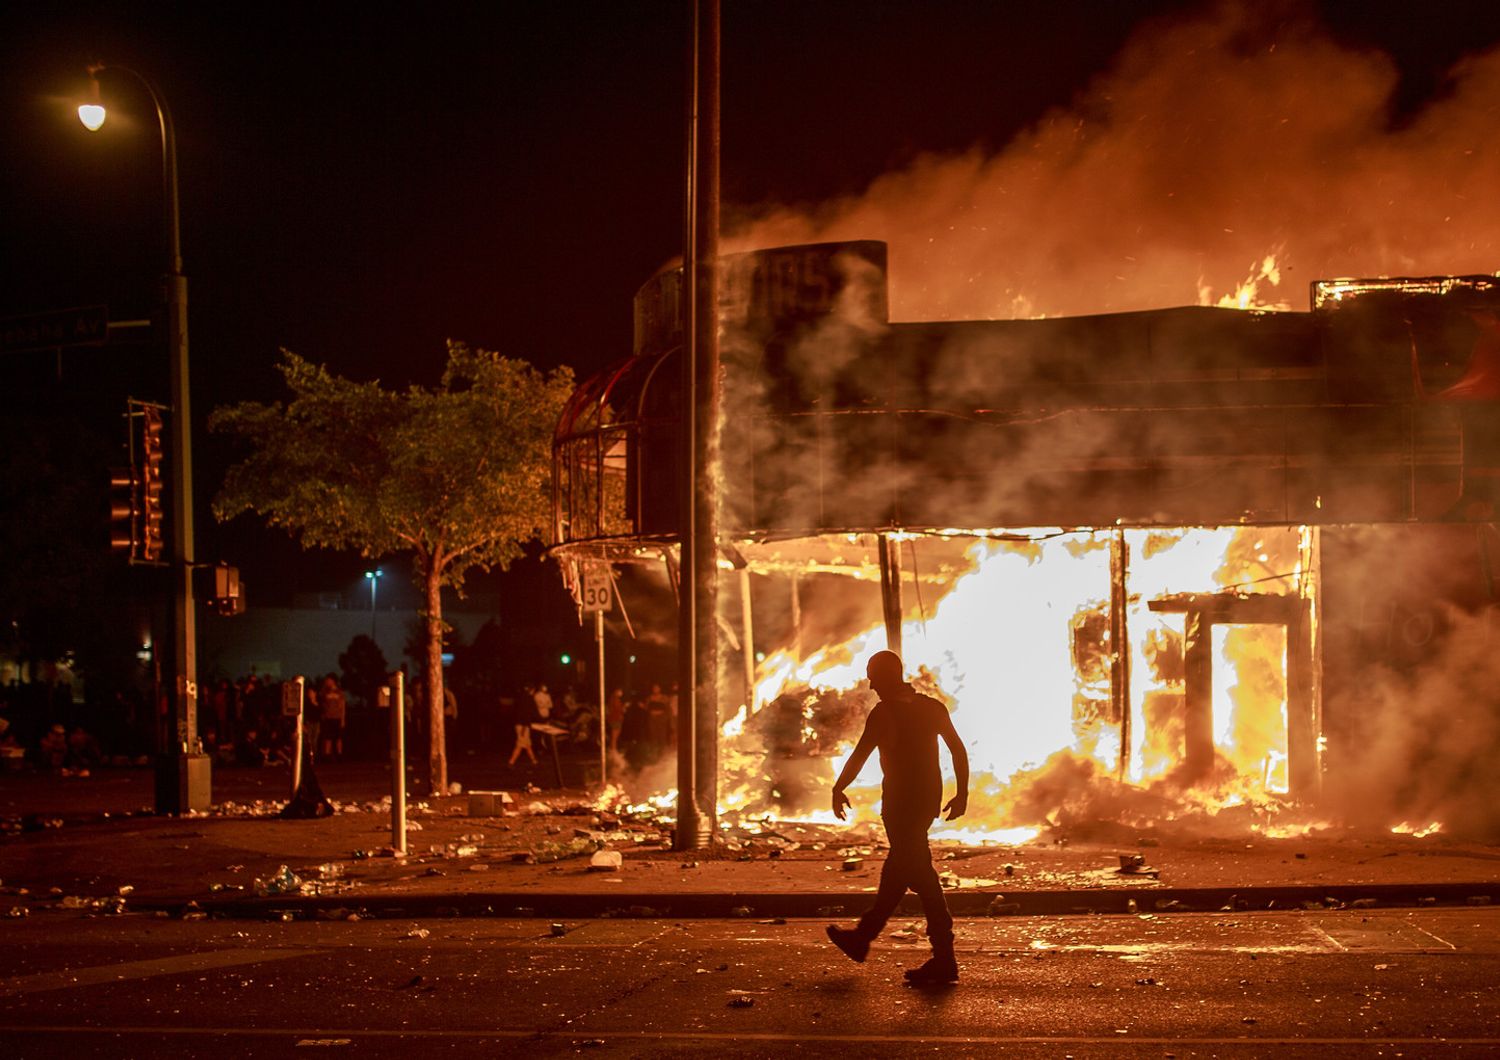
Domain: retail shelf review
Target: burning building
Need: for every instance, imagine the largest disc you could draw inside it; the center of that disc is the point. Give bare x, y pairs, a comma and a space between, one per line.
1159, 563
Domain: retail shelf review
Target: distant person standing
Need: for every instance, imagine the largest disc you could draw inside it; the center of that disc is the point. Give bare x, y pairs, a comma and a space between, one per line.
905, 726
526, 713
335, 710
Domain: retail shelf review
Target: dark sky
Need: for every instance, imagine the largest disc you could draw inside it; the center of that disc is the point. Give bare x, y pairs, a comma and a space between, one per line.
361, 182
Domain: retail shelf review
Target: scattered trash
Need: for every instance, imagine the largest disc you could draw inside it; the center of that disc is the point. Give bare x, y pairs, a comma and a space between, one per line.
850, 864
744, 910
537, 808
1362, 903
1147, 981
284, 881
740, 1000
523, 857
125, 889
417, 933
559, 930
1000, 907
828, 910
17, 911
1132, 862
455, 788
1479, 899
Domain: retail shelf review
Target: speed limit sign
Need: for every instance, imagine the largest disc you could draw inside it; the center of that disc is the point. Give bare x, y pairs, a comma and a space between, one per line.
598, 589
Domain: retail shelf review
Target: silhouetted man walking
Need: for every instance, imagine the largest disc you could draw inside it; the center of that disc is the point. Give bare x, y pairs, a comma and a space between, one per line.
906, 725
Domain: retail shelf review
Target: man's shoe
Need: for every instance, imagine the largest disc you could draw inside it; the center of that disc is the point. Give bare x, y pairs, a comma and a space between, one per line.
937, 970
854, 945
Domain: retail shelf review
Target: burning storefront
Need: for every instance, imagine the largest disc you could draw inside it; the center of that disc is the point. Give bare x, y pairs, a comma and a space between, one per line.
1174, 564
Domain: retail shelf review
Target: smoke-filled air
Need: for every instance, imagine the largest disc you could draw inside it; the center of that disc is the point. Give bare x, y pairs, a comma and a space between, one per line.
1228, 158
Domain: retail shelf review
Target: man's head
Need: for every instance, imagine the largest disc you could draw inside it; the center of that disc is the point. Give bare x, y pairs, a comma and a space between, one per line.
884, 671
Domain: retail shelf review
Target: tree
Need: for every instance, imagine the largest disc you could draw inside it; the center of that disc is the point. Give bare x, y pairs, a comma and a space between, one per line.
457, 475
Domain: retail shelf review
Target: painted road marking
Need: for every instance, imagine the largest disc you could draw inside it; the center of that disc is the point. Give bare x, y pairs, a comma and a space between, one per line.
97, 975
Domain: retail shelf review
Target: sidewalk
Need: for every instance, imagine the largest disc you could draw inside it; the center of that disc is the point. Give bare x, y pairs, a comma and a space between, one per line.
84, 842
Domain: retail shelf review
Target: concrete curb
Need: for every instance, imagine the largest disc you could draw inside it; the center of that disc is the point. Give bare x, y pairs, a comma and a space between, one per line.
835, 905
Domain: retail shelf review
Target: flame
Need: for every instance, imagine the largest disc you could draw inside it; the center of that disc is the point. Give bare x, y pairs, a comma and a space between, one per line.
1418, 831
1248, 294
1014, 648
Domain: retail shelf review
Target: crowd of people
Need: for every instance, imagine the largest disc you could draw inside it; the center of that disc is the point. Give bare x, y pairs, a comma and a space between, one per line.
242, 722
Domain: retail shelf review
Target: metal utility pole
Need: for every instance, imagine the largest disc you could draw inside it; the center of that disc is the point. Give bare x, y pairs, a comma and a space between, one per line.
890, 591
183, 771
697, 641
1119, 643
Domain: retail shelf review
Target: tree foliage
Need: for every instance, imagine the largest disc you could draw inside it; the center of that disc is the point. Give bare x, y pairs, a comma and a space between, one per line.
456, 475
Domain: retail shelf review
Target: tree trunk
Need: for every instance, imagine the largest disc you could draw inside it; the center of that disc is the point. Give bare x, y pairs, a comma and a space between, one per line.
437, 756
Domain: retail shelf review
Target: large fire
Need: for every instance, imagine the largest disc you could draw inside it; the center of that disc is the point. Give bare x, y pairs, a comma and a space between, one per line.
1018, 645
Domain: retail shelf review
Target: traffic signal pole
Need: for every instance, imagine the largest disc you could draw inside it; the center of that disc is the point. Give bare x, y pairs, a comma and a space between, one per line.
698, 567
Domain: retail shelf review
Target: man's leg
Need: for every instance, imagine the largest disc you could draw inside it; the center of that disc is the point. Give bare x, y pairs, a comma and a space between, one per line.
895, 877
942, 968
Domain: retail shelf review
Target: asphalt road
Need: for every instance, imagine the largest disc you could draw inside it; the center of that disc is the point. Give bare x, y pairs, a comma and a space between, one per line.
1326, 984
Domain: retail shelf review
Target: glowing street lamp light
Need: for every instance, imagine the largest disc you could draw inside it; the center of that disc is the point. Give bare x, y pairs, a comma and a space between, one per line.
92, 115
373, 576
183, 781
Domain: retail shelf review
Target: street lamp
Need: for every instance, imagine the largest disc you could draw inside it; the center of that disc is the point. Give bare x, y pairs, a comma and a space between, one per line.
374, 578
183, 779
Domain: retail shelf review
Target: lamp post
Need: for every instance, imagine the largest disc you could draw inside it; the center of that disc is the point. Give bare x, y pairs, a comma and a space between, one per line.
183, 778
373, 576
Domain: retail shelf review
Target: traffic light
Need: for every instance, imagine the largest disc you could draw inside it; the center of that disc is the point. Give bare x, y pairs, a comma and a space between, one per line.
124, 510
151, 456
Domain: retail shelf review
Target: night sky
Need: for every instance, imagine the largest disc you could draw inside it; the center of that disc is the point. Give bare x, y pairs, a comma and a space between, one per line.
359, 185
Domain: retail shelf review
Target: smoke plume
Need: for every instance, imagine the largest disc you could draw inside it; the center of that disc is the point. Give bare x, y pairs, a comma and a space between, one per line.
1238, 148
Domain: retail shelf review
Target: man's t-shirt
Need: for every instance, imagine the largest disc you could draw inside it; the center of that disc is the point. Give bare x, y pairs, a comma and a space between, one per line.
906, 728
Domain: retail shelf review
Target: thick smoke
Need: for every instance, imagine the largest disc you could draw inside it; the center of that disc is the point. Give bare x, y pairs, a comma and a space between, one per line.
1213, 143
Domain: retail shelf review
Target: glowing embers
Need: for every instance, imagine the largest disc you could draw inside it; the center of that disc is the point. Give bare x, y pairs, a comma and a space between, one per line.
1189, 715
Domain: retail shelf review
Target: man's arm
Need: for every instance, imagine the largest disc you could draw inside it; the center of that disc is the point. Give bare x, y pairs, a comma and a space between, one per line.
960, 801
852, 767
